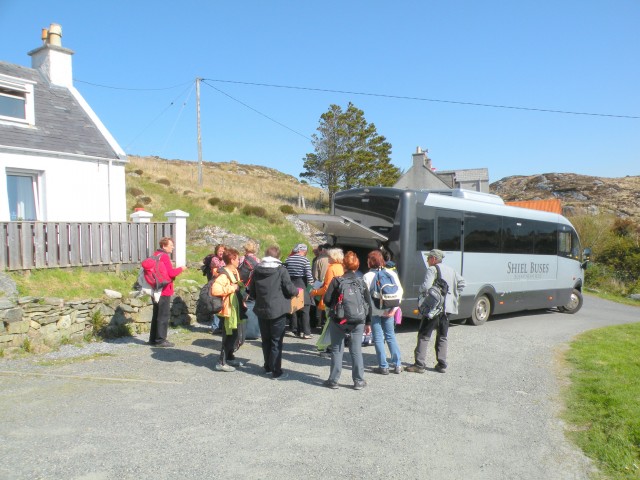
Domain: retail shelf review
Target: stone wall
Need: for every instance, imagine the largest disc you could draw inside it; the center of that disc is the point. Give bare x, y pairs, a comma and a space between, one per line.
51, 320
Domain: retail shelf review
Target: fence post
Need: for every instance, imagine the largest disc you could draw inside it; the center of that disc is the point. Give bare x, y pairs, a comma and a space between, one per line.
179, 219
141, 217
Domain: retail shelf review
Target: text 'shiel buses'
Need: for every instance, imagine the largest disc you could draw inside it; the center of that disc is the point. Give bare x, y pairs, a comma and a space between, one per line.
511, 258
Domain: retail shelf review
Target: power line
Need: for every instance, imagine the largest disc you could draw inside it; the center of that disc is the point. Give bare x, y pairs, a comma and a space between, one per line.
204, 80
156, 118
402, 97
131, 89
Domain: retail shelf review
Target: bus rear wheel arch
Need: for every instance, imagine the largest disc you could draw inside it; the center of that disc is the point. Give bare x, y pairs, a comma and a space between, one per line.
574, 304
481, 310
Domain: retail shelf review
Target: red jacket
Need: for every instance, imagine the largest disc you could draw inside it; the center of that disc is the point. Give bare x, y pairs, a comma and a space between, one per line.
167, 291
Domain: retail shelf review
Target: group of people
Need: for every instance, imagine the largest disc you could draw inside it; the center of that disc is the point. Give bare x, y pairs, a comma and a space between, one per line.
264, 288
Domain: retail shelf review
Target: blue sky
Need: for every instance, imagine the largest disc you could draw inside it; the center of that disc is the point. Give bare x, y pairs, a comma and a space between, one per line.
571, 56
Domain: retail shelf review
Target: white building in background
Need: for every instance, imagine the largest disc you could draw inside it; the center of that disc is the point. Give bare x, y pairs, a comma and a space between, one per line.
58, 162
422, 175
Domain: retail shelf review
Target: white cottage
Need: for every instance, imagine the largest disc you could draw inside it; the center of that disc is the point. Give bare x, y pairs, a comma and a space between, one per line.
58, 162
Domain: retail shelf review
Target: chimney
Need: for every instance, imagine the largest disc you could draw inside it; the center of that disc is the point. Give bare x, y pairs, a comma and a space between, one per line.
52, 59
421, 160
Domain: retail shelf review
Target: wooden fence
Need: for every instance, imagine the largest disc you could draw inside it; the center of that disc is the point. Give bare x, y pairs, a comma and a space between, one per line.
29, 245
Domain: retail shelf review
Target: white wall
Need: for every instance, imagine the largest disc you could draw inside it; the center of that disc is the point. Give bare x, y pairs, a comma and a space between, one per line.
71, 189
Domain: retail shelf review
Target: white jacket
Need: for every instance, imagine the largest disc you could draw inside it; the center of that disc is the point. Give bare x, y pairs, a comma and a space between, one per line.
368, 280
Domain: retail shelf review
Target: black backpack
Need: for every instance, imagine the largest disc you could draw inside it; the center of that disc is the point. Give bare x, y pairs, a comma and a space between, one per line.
245, 270
350, 306
206, 265
208, 304
432, 303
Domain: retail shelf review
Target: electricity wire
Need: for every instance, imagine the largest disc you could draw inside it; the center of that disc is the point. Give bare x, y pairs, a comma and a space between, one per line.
256, 111
155, 119
131, 89
175, 123
422, 99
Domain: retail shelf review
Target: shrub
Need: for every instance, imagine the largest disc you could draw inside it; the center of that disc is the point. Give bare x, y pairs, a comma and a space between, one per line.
164, 181
144, 200
287, 209
26, 346
255, 211
275, 219
135, 192
227, 206
187, 192
138, 171
98, 324
213, 201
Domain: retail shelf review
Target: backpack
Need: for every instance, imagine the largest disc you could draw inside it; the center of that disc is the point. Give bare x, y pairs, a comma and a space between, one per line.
432, 303
349, 307
206, 265
153, 275
385, 290
245, 270
208, 304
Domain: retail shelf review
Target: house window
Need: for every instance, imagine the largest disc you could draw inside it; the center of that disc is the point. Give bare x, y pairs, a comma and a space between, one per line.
22, 190
16, 101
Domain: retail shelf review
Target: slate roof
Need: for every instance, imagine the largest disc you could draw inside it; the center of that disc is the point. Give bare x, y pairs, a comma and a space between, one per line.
61, 124
467, 175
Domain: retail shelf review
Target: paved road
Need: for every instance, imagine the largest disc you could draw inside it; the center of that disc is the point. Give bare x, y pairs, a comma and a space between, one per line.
150, 413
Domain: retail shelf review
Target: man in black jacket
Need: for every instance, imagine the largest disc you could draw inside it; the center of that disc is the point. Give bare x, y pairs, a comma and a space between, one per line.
272, 289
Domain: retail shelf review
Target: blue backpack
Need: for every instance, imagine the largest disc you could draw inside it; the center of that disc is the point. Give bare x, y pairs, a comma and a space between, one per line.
385, 291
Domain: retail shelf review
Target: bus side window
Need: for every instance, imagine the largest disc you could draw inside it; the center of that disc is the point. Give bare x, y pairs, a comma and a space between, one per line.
568, 243
424, 237
450, 231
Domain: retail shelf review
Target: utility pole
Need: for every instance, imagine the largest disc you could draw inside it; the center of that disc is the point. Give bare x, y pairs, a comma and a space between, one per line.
199, 133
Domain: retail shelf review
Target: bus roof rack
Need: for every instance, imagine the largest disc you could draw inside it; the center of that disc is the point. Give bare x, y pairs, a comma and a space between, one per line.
470, 195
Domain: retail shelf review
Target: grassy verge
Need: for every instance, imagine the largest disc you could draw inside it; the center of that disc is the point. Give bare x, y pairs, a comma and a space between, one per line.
603, 400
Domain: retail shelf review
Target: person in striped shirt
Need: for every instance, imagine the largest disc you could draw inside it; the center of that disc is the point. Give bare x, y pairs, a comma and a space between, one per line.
299, 269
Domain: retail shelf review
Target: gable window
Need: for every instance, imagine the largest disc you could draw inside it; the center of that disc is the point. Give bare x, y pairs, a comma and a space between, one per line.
16, 100
22, 190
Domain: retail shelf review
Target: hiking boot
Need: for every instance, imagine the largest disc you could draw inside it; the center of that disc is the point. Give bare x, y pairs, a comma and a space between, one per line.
398, 369
224, 368
439, 368
359, 384
234, 362
381, 370
414, 369
164, 344
330, 384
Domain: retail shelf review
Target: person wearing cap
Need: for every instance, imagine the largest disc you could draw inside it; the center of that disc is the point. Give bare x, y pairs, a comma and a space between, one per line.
440, 323
299, 269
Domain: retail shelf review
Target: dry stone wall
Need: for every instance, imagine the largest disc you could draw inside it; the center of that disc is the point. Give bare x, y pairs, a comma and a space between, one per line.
51, 320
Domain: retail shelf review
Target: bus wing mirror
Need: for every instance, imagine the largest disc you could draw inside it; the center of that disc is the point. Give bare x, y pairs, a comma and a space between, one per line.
586, 255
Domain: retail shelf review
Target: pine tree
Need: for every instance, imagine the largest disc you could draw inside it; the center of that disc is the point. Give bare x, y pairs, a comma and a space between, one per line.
349, 153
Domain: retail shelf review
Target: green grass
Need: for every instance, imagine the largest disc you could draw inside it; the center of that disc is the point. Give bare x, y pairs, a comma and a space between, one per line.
603, 400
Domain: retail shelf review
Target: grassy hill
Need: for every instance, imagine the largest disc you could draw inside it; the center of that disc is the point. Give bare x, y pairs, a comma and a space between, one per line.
246, 200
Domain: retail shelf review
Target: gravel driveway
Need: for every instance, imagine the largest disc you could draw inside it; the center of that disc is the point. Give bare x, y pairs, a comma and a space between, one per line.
165, 413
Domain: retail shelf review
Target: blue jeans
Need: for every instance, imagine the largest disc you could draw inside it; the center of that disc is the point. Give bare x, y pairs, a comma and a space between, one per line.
215, 323
383, 329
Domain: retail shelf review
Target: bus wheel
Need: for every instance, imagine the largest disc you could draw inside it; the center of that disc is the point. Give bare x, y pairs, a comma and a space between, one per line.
575, 303
481, 311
